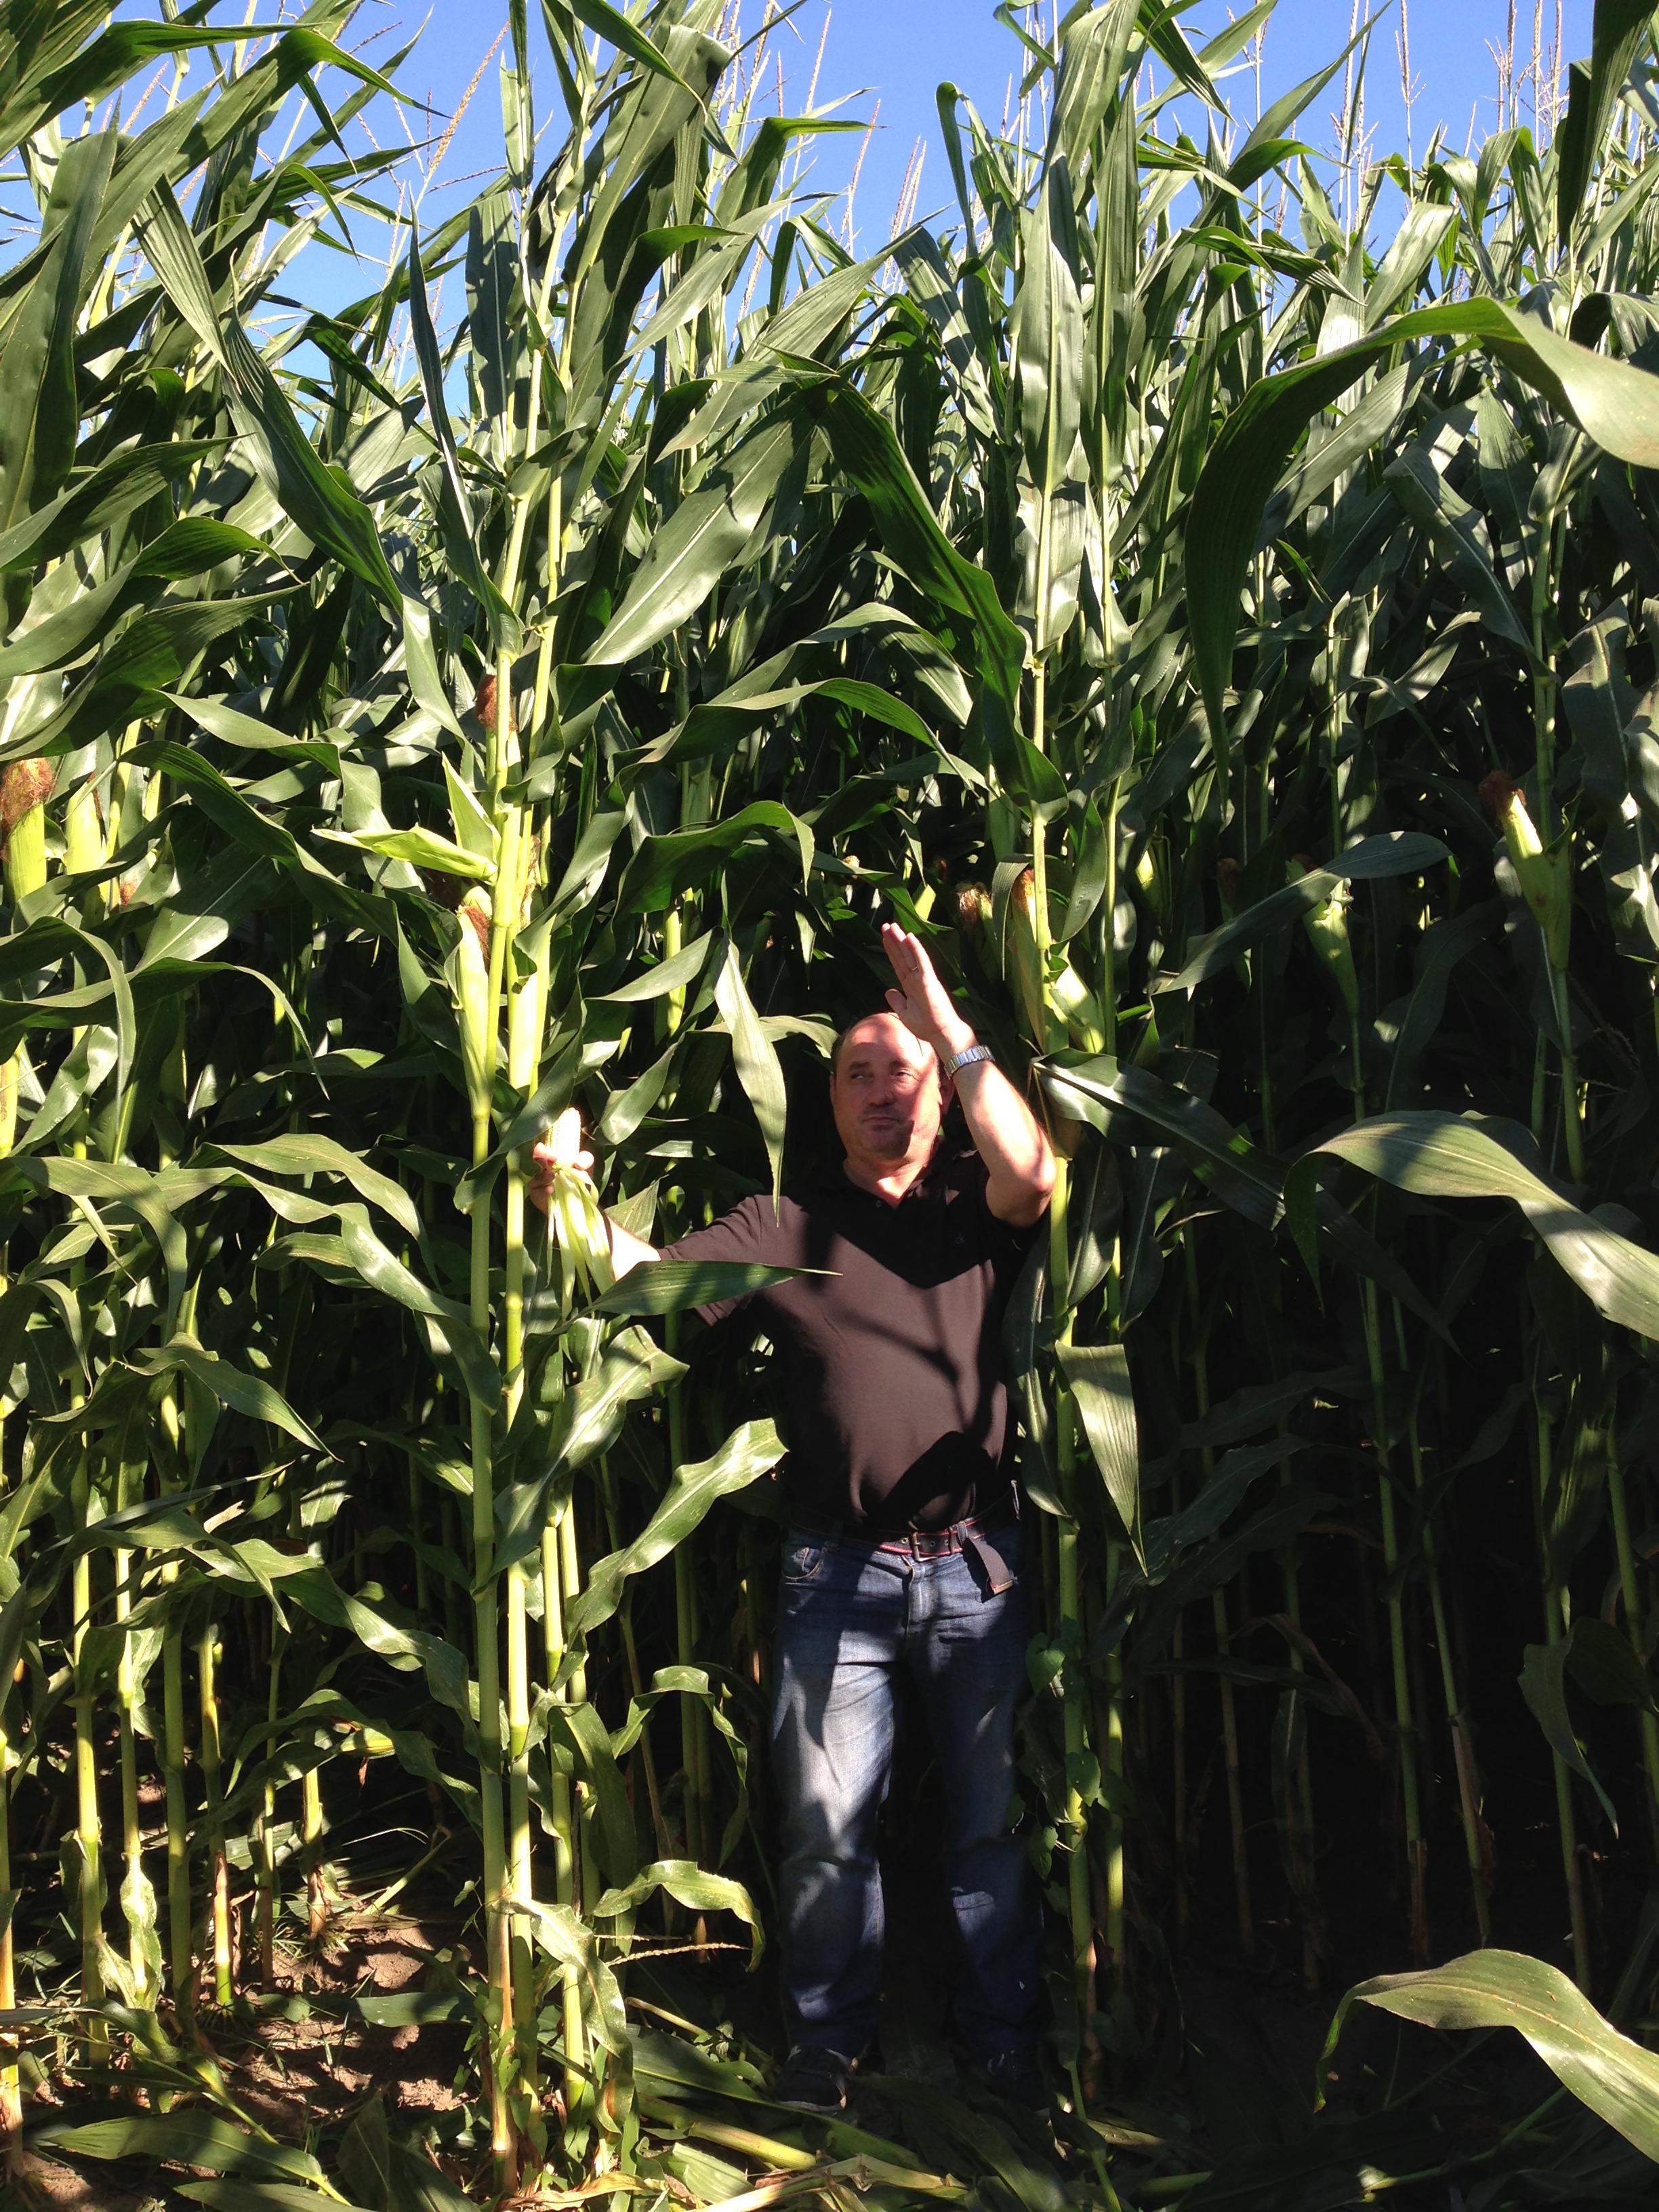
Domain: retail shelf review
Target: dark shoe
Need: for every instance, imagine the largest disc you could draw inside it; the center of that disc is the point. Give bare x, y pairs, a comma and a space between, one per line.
813, 2080
1016, 2076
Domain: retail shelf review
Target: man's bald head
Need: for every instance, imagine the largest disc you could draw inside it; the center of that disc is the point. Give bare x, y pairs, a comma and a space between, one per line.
877, 1022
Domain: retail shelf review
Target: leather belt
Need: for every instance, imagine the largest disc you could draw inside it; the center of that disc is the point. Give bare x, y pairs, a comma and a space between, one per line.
972, 1536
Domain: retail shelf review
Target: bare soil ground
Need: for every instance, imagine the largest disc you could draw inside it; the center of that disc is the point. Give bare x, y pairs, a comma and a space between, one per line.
311, 2061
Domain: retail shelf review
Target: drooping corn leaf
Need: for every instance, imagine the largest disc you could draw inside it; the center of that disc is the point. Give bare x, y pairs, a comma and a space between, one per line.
689, 1885
1544, 1686
1447, 1156
183, 2137
1224, 1160
752, 1450
666, 865
1616, 2078
1396, 852
245, 1394
307, 1152
1617, 404
666, 1286
1098, 1376
759, 1070
260, 2196
866, 448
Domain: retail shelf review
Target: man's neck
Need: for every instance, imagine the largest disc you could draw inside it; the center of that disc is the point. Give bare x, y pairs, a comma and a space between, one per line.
888, 1181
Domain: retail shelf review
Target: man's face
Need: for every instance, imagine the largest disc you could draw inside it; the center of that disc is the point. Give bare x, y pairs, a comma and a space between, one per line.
885, 1093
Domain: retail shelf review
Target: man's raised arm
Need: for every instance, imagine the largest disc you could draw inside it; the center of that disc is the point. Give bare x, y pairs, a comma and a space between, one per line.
1018, 1160
563, 1147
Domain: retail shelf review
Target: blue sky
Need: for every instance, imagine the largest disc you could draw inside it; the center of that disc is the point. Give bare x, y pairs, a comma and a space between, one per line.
896, 52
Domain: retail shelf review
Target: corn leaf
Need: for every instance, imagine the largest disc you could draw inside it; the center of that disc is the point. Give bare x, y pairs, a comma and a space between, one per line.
1617, 404
668, 1286
1616, 2078
752, 1450
665, 865
39, 414
688, 1885
242, 2195
1543, 1680
1396, 852
1621, 28
183, 2138
759, 1070
1438, 1155
690, 554
245, 1394
1097, 1376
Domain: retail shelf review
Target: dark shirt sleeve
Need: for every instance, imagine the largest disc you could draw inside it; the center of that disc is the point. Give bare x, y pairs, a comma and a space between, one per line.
749, 1232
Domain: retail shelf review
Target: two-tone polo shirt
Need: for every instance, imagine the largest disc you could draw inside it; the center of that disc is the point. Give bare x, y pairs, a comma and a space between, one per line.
889, 1362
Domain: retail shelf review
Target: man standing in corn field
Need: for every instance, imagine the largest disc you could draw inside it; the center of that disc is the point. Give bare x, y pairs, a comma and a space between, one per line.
902, 1547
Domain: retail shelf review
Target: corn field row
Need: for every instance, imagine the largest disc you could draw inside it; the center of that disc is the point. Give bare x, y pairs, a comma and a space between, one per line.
1216, 603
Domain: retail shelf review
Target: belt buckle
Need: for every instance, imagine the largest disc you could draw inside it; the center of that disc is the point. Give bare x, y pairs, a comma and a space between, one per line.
930, 1543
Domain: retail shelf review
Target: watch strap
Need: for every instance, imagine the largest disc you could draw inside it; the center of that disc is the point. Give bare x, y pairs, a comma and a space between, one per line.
965, 1058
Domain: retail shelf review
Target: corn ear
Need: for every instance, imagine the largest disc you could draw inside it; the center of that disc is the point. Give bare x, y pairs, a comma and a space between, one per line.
1326, 926
469, 981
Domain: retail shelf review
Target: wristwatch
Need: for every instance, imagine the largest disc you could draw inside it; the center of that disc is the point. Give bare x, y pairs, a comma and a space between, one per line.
964, 1059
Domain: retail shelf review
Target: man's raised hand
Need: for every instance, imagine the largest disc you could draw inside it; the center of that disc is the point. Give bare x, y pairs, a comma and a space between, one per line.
921, 1001
561, 1147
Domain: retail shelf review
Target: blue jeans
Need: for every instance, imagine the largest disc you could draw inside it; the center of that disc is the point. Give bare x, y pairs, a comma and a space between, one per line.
851, 1619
